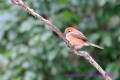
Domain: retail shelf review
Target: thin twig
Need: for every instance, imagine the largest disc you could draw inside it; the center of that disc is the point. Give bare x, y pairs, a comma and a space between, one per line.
80, 53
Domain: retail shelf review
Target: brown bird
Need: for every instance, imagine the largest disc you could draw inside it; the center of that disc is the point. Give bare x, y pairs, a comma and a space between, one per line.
78, 39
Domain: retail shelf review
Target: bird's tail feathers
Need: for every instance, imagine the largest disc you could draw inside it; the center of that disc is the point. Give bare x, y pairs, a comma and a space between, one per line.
94, 45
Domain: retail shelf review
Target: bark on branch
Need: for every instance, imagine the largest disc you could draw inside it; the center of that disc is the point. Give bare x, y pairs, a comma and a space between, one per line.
79, 53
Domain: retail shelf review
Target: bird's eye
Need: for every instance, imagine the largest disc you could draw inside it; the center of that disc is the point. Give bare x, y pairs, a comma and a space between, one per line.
69, 31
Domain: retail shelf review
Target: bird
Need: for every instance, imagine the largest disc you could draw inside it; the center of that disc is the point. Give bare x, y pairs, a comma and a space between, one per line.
77, 39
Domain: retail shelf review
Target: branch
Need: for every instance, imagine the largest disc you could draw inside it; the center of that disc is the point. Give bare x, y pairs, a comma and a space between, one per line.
79, 53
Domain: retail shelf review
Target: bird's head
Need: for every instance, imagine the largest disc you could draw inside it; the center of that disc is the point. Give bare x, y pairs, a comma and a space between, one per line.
70, 29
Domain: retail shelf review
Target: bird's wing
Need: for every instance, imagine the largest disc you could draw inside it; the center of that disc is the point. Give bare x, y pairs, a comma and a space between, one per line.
79, 35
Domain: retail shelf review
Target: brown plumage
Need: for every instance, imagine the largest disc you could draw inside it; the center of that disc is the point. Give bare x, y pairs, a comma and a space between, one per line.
78, 39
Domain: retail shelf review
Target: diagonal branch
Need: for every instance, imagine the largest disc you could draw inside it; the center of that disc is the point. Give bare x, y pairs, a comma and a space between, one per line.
80, 53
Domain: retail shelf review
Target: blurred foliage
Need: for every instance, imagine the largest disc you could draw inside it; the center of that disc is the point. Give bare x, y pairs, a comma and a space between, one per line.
29, 50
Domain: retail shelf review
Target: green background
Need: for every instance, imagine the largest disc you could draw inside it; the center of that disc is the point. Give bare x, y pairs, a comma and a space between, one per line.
30, 50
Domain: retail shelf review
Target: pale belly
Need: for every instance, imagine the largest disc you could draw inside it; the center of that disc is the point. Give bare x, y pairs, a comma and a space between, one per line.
77, 43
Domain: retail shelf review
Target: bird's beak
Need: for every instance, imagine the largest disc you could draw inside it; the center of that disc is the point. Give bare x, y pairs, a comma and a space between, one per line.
64, 33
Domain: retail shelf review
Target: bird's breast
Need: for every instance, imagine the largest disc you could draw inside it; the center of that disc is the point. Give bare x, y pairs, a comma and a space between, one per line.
74, 41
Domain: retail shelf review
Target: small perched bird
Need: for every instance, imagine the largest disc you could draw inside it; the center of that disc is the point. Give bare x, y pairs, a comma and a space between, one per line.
77, 39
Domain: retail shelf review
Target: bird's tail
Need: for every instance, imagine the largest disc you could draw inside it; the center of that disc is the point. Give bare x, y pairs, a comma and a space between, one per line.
94, 45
